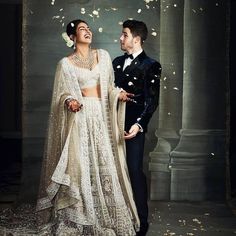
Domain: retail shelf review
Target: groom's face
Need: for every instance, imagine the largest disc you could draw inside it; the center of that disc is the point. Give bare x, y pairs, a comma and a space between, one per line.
126, 40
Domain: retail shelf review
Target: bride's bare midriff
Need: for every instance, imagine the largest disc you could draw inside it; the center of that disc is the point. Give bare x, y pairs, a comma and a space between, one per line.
92, 92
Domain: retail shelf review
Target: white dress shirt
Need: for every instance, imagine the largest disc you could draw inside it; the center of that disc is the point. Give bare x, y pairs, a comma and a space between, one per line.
129, 60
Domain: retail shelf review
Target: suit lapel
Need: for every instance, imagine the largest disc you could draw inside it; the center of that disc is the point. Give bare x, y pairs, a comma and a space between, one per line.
136, 62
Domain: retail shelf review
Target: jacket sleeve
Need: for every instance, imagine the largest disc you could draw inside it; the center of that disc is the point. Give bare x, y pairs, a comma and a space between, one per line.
151, 93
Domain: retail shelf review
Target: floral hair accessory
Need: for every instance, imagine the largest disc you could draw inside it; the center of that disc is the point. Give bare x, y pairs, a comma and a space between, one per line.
69, 42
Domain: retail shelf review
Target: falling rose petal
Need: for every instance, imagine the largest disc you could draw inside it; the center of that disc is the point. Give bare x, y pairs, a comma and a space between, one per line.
201, 9
114, 9
63, 24
127, 74
190, 234
95, 12
153, 81
175, 5
194, 10
82, 10
91, 15
164, 78
184, 71
147, 1
115, 40
135, 78
139, 10
153, 29
175, 88
206, 214
55, 17
130, 18
72, 24
100, 29
154, 34
173, 72
165, 87
61, 9
130, 83
147, 6
217, 4
120, 23
118, 66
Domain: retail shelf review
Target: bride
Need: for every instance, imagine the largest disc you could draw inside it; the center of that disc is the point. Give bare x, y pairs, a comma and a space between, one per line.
84, 187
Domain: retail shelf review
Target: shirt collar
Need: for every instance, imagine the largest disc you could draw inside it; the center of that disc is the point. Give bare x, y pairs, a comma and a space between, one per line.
135, 54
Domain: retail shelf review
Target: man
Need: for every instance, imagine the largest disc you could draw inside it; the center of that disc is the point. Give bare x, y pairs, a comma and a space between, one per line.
138, 74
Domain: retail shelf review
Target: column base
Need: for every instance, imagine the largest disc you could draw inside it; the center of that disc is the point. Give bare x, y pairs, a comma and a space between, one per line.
198, 166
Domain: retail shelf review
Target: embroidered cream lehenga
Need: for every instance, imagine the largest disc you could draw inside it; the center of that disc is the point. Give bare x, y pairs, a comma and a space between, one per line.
85, 189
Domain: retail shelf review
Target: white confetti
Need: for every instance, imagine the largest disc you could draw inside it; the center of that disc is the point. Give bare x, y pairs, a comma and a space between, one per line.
175, 5
118, 66
130, 83
164, 78
173, 72
100, 29
153, 81
175, 88
55, 17
135, 78
139, 10
217, 4
115, 40
114, 9
61, 9
194, 10
120, 23
147, 6
165, 87
154, 34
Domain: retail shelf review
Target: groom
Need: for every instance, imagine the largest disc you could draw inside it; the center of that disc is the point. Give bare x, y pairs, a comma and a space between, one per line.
139, 74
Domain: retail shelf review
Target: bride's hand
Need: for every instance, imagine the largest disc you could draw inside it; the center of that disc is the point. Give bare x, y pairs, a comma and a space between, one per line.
73, 105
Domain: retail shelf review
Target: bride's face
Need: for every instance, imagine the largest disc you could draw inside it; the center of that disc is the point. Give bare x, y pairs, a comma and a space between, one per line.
83, 33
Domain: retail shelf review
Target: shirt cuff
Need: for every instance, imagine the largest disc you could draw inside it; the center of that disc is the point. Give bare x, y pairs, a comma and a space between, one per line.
140, 127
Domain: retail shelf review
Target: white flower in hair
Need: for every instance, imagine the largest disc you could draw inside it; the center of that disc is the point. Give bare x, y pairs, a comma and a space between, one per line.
69, 42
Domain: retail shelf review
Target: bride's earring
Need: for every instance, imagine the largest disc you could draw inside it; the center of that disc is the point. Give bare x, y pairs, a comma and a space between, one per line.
74, 47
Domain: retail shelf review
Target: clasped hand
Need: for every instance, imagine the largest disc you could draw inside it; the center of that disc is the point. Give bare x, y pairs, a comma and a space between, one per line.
73, 105
125, 97
132, 132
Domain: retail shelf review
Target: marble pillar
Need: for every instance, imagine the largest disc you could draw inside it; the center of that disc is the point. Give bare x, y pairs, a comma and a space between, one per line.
170, 105
198, 161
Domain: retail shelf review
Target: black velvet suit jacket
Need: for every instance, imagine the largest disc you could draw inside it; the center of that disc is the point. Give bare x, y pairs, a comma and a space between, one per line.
142, 78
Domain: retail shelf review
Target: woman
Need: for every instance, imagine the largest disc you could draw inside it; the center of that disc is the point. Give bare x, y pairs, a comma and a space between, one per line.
85, 189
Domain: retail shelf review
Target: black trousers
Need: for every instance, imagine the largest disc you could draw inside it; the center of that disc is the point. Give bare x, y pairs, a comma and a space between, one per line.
134, 152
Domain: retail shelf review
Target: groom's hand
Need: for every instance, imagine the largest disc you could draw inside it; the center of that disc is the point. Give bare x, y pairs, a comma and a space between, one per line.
132, 132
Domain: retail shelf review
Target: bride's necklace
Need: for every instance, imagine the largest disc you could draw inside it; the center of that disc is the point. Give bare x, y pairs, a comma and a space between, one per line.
82, 62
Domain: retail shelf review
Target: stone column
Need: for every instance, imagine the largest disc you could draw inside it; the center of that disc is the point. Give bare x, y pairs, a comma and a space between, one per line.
170, 107
198, 161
